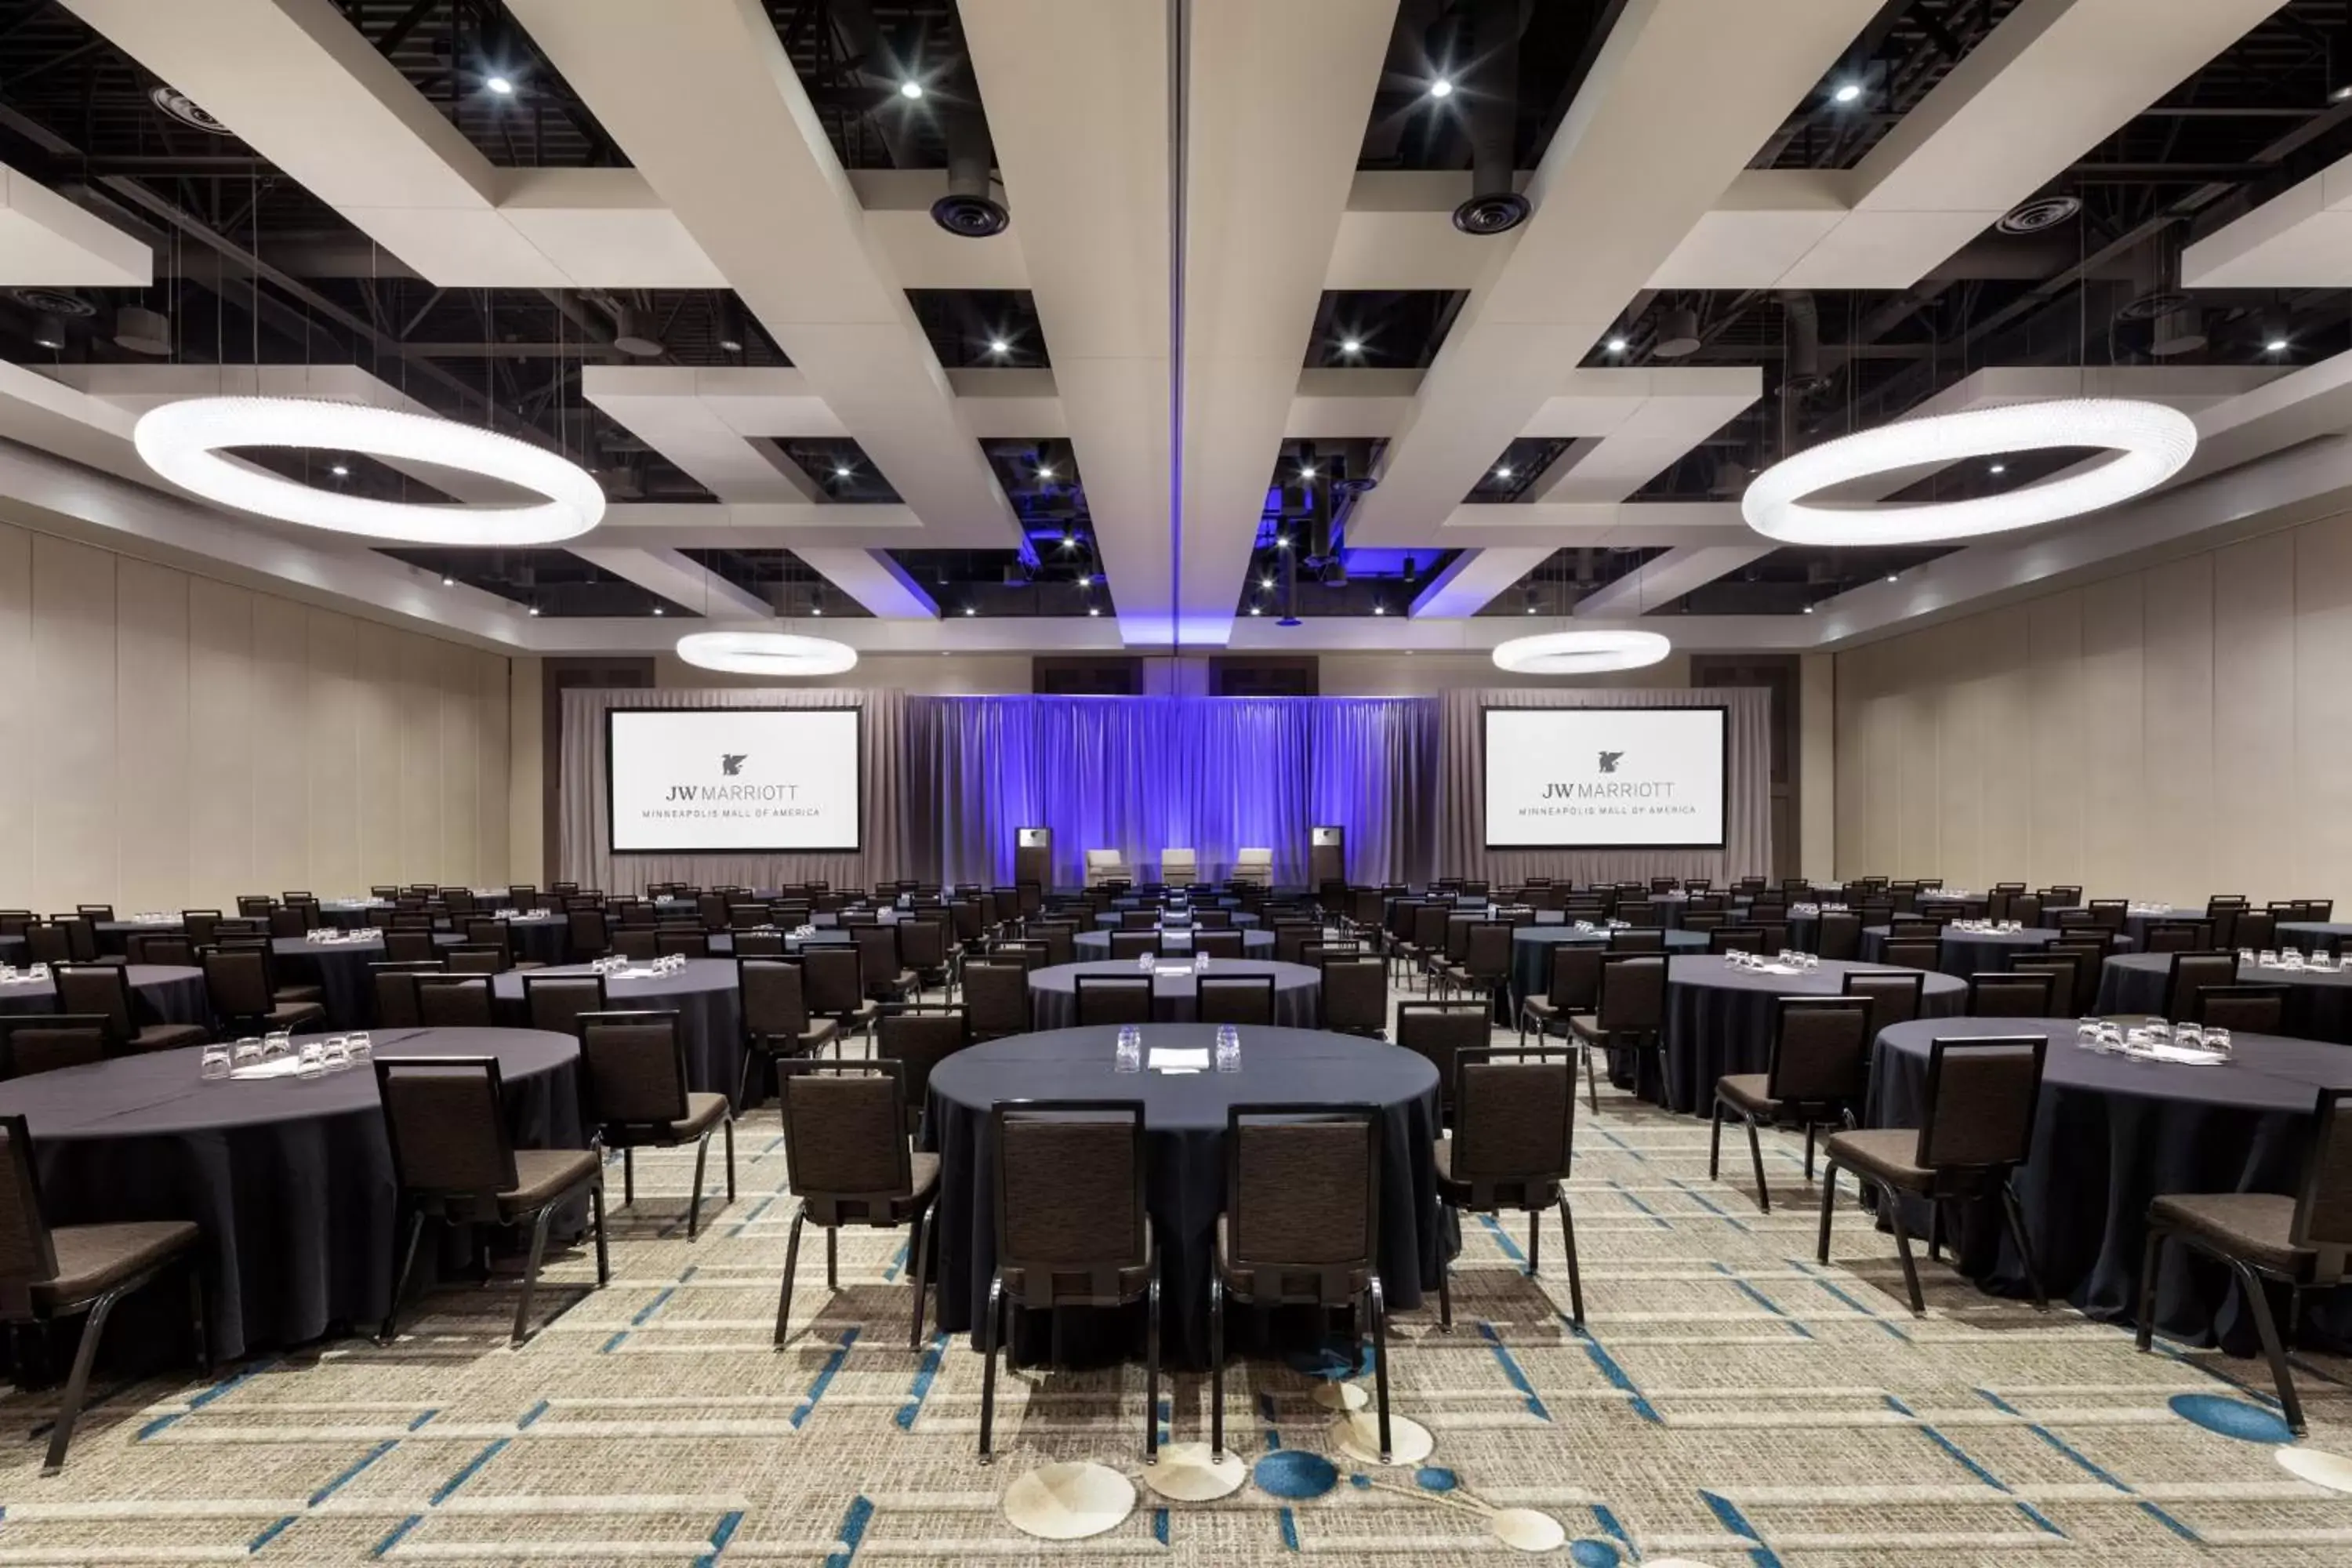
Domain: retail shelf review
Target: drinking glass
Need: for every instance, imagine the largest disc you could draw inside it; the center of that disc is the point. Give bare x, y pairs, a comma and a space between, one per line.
1128, 1056
216, 1063
2086, 1034
250, 1051
1143, 962
1201, 964
276, 1043
337, 1053
312, 1062
2190, 1036
2268, 958
362, 1047
2218, 1040
1229, 1048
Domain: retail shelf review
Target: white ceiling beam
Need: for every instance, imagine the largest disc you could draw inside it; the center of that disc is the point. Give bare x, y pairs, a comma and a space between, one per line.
700, 96
47, 241
765, 525
2300, 238
1078, 109
1657, 583
875, 581
1472, 580
1557, 525
1554, 285
683, 581
898, 203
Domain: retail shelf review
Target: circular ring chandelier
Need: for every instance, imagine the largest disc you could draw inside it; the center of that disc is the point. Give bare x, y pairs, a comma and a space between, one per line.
2150, 442
777, 654
1581, 653
182, 442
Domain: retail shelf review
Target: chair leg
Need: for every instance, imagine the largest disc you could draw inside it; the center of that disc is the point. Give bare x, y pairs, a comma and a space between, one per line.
1592, 1075
1535, 1241
922, 1276
2010, 1207
1903, 1250
197, 1317
1829, 1205
603, 1260
531, 1273
1715, 1141
1380, 1359
1756, 1159
628, 1177
831, 1259
693, 1200
1151, 1364
2151, 1257
727, 1127
2248, 1280
990, 1321
1935, 1230
1216, 1368
77, 1385
792, 1264
1575, 1280
400, 1279
1809, 1129
743, 1080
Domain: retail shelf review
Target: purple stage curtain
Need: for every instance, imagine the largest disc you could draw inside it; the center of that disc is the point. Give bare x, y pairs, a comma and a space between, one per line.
1211, 774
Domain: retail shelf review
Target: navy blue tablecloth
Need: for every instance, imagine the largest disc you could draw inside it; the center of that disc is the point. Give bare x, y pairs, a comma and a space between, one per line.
162, 994
1095, 944
1531, 954
2318, 1007
1297, 991
1719, 1021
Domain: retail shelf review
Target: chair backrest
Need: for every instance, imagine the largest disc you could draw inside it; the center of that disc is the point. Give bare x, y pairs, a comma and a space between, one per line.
845, 1149
1488, 953
2249, 1009
1911, 954
478, 959
2322, 1207
2109, 912
1221, 943
1982, 1093
1302, 1197
1838, 935
2257, 929
256, 904
1632, 994
151, 947
1291, 937
997, 997
685, 944
238, 981
42, 1042
100, 989
555, 1002
1648, 941
878, 952
1069, 1196
1441, 1031
454, 1001
409, 946
635, 943
772, 994
1820, 1051
445, 1118
1114, 998
285, 922
923, 945
2089, 950
393, 986
2179, 936
921, 1035
1028, 953
1994, 993
1133, 944
1429, 926
1735, 939
1896, 997
2065, 982
1514, 1121
1235, 999
27, 1255
633, 1068
1575, 976
1355, 994
835, 977
2190, 972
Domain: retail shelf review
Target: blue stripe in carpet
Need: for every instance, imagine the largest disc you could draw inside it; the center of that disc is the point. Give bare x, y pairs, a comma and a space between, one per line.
825, 1379
1511, 1369
466, 1474
1759, 1554
344, 1475
853, 1527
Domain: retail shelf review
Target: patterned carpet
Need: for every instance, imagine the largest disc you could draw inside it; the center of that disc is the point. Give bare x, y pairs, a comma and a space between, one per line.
1733, 1403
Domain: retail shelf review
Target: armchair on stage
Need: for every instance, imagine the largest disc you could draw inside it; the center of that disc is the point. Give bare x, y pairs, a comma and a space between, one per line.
1178, 868
1107, 866
1255, 867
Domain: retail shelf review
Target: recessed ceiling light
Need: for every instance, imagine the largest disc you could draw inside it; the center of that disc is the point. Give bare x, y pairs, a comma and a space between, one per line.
816, 609
1999, 468
1068, 542
1265, 581
499, 85
1847, 92
1307, 470
657, 609
910, 89
1504, 472
447, 580
1441, 88
1891, 575
341, 470
1094, 609
1257, 609
1045, 472
2341, 93
1616, 345
1379, 609
2276, 346
841, 471
999, 346
1808, 609
969, 610
534, 609
1351, 346
729, 346
1282, 541
1531, 609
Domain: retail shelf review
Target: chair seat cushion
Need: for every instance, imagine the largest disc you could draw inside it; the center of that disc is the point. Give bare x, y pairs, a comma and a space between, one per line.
1885, 1154
544, 1175
1585, 1027
169, 1037
2250, 1226
1294, 1285
1463, 1193
294, 1016
1748, 1090
286, 994
1537, 1008
1076, 1285
94, 1258
703, 1112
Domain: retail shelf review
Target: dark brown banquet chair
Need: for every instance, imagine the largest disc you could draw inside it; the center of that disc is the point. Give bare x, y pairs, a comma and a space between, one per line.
846, 1159
2257, 929
1575, 987
44, 1042
1838, 935
285, 921
1060, 939
237, 980
454, 1001
410, 946
254, 906
476, 959
1221, 944
1426, 944
2186, 973
199, 925
1628, 939
555, 1002
634, 1088
777, 1027
105, 989
2302, 1242
1438, 1033
685, 944
1818, 1072
2242, 1009
1137, 919
1313, 955
1628, 1014
1997, 993
2061, 969
1485, 969
2090, 954
885, 975
996, 996
1514, 1136
493, 932
1113, 999
1356, 995
1922, 955
1133, 944
1235, 999
159, 948
1071, 1231
1704, 920
1980, 1102
393, 987
445, 1120
2109, 913
52, 1272
920, 1036
1301, 1227
833, 979
74, 932
1735, 939
2179, 936
586, 935
637, 943
1910, 929
924, 947
1291, 937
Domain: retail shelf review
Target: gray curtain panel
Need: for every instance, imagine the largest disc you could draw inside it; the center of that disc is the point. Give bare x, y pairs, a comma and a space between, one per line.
1461, 817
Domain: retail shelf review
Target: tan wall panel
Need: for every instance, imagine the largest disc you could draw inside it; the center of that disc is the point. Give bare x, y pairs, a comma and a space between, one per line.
2322, 821
152, 734
221, 805
2053, 763
281, 766
460, 746
377, 702
2007, 838
2255, 726
490, 803
334, 759
20, 721
76, 854
2114, 738
420, 761
2176, 722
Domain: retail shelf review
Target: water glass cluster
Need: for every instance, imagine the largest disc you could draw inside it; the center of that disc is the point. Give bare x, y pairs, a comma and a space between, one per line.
1989, 928
36, 975
2146, 1041
2292, 960
315, 1057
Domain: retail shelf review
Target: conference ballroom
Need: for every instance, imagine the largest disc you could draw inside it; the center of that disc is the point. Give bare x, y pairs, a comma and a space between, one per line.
829, 782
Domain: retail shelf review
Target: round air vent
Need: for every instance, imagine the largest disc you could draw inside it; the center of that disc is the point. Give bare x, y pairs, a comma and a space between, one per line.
1497, 214
187, 110
970, 217
2149, 307
55, 302
2040, 213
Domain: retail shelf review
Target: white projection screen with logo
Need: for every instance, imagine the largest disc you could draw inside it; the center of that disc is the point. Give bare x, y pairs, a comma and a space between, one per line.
1606, 778
735, 780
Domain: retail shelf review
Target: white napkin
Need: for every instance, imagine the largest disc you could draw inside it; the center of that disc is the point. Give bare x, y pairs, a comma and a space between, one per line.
1172, 968
1177, 1058
2186, 1055
276, 1067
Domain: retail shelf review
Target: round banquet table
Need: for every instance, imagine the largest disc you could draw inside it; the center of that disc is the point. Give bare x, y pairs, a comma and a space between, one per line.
1719, 1021
114, 936
2110, 1134
1112, 919
2318, 1006
2136, 921
1184, 1122
540, 939
1531, 956
341, 970
2309, 936
290, 1182
1095, 944
710, 1019
1136, 901
1965, 953
1297, 991
349, 914
162, 994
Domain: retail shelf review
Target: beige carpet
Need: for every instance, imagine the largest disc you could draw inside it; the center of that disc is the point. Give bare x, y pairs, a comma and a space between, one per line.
1732, 1404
